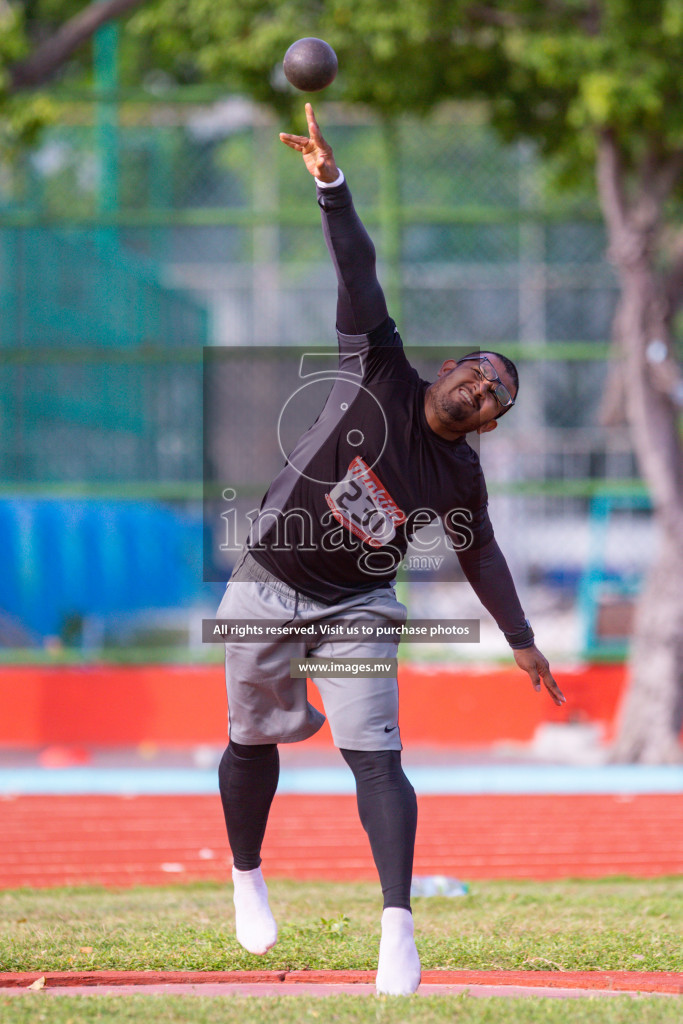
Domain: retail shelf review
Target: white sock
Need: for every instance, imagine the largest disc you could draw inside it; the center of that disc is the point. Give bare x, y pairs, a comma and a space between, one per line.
254, 922
398, 971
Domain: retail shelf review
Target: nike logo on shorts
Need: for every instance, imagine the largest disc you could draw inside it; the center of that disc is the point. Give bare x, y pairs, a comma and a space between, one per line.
390, 728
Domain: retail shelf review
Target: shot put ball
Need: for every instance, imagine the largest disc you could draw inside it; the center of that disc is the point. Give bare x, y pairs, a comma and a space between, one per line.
310, 64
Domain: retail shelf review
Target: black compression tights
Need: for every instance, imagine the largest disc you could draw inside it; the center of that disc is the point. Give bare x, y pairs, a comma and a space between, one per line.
388, 812
248, 777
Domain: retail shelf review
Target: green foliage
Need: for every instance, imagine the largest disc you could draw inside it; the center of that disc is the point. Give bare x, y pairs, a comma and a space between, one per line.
391, 55
22, 25
550, 72
23, 119
13, 42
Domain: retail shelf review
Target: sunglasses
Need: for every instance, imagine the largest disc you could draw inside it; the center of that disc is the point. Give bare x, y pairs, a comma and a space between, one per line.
487, 370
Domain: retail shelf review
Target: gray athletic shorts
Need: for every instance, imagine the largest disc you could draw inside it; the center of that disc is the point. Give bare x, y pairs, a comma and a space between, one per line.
265, 705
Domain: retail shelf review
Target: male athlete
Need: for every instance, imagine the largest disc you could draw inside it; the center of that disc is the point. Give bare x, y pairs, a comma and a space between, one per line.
325, 547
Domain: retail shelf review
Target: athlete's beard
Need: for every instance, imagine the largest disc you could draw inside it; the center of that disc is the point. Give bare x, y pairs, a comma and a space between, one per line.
450, 408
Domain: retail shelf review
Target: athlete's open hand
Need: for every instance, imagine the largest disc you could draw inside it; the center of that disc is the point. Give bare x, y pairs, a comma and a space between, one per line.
317, 155
531, 661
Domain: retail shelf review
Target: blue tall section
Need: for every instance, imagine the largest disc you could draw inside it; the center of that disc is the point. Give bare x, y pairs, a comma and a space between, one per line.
82, 558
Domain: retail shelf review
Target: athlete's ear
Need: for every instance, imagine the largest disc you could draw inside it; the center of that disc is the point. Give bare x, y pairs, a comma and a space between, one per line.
491, 425
449, 365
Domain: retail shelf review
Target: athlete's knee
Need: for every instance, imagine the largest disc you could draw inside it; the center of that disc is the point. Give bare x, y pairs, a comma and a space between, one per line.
251, 751
237, 755
374, 764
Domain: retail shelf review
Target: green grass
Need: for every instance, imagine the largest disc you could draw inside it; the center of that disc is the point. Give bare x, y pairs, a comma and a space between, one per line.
617, 924
35, 1008
614, 924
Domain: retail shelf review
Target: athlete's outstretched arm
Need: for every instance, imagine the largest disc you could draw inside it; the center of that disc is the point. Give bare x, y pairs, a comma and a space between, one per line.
360, 300
489, 576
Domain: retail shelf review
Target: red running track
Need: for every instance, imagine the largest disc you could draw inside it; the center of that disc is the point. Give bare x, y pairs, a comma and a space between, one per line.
269, 981
151, 840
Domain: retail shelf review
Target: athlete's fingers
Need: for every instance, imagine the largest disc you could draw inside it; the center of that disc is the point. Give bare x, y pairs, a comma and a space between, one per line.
535, 678
313, 128
295, 141
551, 686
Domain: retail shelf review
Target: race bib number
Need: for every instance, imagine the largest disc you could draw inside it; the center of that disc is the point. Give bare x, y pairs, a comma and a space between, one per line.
361, 503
